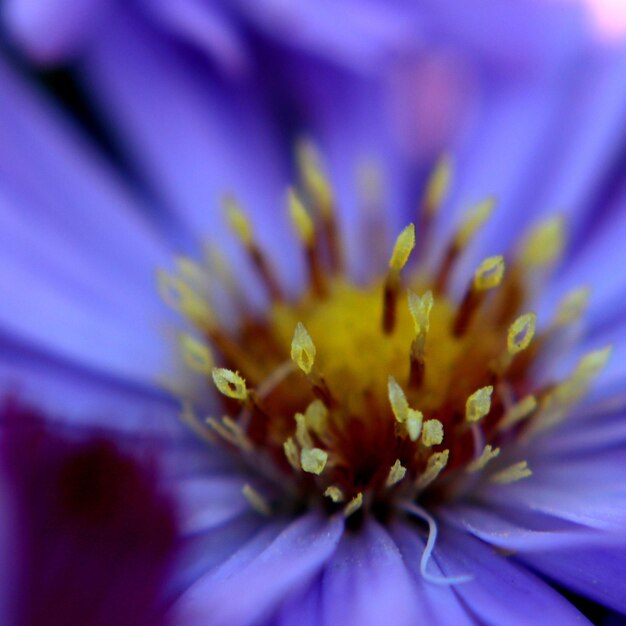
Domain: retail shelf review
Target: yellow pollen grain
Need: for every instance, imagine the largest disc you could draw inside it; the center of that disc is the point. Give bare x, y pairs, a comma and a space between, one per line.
302, 433
489, 274
474, 221
521, 333
438, 184
544, 244
398, 401
402, 249
335, 494
300, 218
478, 404
230, 383
303, 349
238, 221
291, 453
354, 505
479, 463
313, 460
396, 474
434, 466
256, 500
518, 412
572, 307
420, 309
512, 474
432, 433
413, 424
196, 355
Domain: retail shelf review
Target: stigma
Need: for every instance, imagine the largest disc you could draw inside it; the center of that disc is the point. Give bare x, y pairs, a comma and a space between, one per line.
361, 396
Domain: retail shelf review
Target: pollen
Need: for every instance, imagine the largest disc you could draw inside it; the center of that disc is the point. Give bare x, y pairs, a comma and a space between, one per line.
363, 396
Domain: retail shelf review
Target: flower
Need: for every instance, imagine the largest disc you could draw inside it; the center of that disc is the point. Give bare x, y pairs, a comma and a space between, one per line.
407, 456
93, 539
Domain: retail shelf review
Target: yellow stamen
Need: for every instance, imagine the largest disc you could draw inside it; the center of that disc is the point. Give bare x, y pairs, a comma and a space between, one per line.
313, 460
230, 431
178, 295
301, 218
316, 415
478, 215
432, 433
518, 412
438, 185
434, 466
402, 249
396, 474
511, 474
354, 505
413, 424
256, 500
303, 349
478, 404
572, 307
521, 333
196, 354
302, 432
230, 383
291, 452
397, 399
189, 417
420, 309
489, 273
479, 463
238, 221
544, 244
335, 494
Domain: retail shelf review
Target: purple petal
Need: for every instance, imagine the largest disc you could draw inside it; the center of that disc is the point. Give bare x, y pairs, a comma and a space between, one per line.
193, 140
251, 584
366, 582
431, 596
501, 593
52, 30
595, 573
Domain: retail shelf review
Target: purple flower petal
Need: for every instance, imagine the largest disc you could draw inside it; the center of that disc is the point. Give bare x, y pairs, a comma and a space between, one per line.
501, 593
432, 597
367, 581
250, 585
52, 30
599, 574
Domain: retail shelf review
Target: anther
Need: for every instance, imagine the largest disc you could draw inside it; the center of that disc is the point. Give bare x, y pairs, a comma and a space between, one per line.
572, 307
397, 400
306, 232
196, 355
354, 505
401, 251
420, 309
241, 226
511, 474
396, 474
544, 244
434, 466
488, 276
479, 463
413, 424
521, 333
477, 217
432, 433
256, 500
230, 383
291, 453
518, 412
335, 494
478, 404
313, 460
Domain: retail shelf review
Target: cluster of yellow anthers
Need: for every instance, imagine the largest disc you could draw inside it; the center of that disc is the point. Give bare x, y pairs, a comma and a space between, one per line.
365, 395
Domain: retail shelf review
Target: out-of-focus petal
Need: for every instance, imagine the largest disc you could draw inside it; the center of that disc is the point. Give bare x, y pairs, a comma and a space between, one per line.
250, 585
52, 30
501, 592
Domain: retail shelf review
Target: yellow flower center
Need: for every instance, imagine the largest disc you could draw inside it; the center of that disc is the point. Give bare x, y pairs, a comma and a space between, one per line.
359, 395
